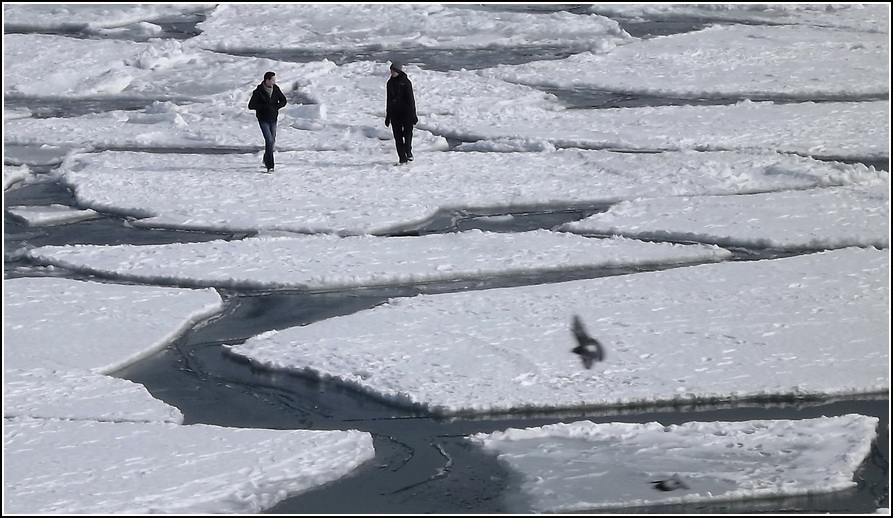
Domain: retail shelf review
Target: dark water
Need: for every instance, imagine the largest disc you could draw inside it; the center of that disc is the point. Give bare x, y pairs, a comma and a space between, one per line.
423, 464
180, 27
588, 98
51, 107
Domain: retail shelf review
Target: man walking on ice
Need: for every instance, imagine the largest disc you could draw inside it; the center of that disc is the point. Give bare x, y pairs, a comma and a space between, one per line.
400, 113
266, 101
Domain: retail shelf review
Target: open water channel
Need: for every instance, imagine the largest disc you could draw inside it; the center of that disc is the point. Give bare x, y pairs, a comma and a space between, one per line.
423, 464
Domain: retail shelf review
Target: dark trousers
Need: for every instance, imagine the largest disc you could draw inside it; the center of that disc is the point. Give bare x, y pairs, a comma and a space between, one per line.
402, 138
268, 128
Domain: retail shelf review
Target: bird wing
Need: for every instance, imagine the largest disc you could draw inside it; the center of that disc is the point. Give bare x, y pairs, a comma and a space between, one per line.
589, 349
580, 331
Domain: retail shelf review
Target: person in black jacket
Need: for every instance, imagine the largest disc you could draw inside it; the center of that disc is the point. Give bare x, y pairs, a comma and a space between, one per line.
401, 112
266, 100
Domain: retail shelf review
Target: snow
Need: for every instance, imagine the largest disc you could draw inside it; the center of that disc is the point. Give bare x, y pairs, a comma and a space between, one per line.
328, 262
381, 26
870, 17
686, 65
14, 175
24, 17
80, 395
812, 219
54, 214
356, 193
714, 332
754, 173
152, 322
77, 441
579, 466
167, 468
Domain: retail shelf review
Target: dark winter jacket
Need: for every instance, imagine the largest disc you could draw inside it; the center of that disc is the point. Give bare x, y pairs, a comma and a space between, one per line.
267, 107
401, 103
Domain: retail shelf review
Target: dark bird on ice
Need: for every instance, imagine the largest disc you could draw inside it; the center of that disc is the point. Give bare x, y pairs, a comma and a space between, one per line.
589, 349
669, 484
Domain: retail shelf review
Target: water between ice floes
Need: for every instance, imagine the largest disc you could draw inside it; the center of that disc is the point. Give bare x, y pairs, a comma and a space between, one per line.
422, 463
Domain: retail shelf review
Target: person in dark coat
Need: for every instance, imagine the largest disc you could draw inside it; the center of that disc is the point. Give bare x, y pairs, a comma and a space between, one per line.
266, 101
400, 114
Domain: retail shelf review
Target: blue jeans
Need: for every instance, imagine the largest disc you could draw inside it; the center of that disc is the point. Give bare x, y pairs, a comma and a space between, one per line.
268, 128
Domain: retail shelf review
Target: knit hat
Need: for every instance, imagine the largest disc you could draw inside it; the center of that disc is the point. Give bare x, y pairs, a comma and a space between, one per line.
396, 66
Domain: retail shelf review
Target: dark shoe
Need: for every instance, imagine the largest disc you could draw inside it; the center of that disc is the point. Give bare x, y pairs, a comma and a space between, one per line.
409, 158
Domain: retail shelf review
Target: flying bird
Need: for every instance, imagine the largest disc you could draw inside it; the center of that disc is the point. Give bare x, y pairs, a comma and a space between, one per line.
589, 349
669, 484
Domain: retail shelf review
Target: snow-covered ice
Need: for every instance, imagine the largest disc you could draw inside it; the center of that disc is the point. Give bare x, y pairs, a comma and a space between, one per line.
582, 465
712, 332
849, 216
52, 214
95, 467
77, 441
359, 193
327, 262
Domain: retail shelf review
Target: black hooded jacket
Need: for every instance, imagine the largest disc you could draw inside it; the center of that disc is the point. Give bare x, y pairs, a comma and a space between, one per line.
401, 103
267, 107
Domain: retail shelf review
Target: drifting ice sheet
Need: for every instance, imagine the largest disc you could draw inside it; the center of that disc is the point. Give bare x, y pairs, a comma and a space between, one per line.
582, 465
